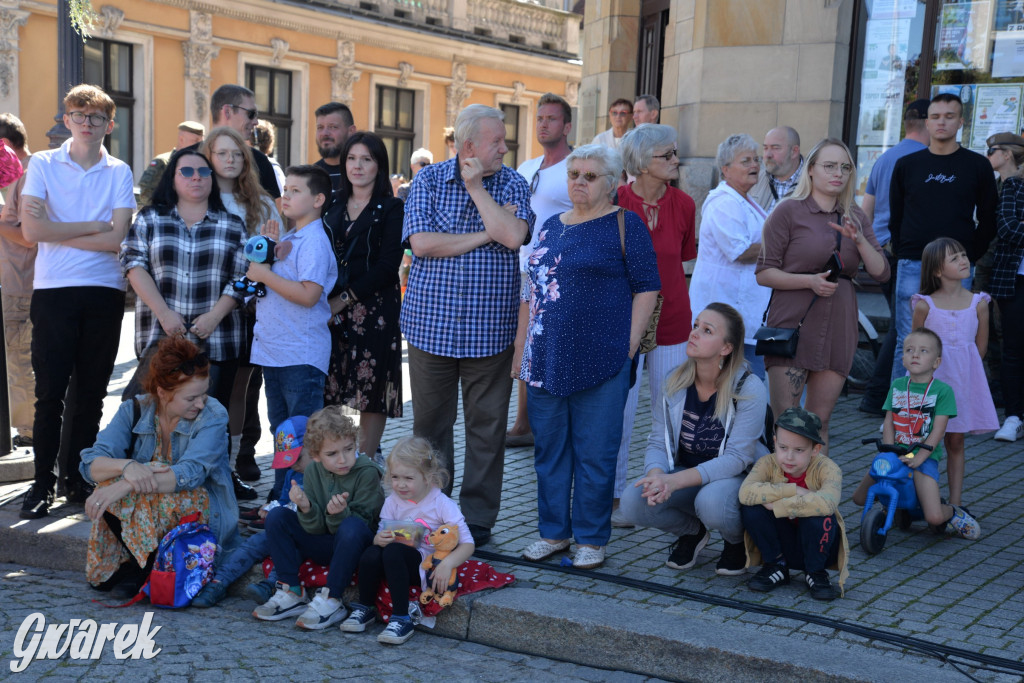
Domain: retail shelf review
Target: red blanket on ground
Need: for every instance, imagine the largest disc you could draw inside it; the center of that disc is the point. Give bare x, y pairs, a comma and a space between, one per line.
473, 576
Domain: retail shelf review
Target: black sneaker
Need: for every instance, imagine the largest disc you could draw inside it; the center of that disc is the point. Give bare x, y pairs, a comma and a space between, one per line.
481, 536
20, 441
770, 576
819, 585
78, 492
242, 490
686, 548
733, 561
36, 503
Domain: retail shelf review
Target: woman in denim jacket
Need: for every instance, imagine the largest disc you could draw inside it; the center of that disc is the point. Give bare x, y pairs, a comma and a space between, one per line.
150, 472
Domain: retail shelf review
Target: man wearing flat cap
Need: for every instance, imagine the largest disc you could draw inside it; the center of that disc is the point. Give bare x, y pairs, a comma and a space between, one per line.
189, 133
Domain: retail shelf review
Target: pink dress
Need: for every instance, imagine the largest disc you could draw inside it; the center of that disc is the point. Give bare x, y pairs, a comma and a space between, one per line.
961, 366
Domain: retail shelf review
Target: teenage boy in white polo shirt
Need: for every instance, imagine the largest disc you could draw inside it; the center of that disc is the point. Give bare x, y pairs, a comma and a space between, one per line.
77, 204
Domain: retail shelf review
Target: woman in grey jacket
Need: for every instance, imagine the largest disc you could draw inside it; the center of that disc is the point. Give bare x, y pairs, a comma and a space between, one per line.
703, 442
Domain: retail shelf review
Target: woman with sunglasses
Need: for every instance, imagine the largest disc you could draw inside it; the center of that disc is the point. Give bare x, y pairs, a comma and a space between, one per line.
593, 283
161, 458
649, 155
814, 243
181, 256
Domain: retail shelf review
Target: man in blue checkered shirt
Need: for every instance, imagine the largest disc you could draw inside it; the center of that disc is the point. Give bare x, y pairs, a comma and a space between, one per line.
465, 220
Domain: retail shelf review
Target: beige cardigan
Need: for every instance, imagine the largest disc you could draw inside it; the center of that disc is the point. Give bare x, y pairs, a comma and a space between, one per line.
767, 483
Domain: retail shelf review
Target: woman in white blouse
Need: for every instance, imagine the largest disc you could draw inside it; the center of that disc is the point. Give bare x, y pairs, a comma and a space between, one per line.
730, 240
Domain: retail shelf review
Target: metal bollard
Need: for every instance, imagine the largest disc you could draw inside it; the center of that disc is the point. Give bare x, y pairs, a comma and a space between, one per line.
5, 399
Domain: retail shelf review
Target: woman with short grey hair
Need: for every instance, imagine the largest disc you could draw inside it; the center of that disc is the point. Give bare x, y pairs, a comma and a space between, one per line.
730, 241
591, 290
649, 154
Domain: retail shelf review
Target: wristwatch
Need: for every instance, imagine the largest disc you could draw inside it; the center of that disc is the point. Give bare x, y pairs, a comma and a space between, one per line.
346, 297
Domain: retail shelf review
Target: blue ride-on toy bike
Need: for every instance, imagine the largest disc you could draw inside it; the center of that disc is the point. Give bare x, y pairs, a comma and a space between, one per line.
894, 489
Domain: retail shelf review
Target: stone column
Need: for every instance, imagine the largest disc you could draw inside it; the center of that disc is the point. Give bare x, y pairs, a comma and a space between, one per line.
199, 52
457, 92
610, 45
344, 73
11, 19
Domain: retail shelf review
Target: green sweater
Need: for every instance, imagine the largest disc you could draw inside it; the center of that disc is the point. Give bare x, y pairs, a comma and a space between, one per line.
365, 497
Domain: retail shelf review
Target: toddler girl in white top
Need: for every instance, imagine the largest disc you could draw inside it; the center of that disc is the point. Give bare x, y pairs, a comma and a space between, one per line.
416, 503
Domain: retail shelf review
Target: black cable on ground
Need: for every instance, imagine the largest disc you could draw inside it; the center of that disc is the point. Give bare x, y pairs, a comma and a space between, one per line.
944, 653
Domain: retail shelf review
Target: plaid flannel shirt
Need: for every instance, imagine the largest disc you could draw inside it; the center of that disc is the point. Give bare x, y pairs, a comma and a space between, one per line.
192, 268
462, 306
1009, 240
784, 188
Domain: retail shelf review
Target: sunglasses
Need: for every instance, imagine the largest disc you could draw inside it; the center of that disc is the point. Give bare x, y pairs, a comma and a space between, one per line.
252, 113
993, 150
535, 183
189, 171
189, 367
589, 176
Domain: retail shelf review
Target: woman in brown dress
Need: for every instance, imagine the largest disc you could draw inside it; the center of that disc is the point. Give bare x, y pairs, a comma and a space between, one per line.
800, 237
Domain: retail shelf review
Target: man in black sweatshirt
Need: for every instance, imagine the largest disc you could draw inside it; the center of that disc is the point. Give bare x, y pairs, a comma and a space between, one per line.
937, 192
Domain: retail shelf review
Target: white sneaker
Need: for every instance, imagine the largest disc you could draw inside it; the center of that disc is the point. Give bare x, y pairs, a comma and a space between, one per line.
1012, 429
282, 605
322, 612
619, 520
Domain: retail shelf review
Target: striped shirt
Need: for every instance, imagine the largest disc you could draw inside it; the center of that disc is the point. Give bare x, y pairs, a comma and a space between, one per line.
462, 306
192, 268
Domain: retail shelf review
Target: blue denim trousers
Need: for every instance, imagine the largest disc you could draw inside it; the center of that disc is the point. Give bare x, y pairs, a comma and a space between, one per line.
292, 390
576, 442
290, 545
755, 361
240, 560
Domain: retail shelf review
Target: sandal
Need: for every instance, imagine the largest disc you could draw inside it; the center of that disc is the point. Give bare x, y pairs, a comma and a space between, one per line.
588, 558
542, 550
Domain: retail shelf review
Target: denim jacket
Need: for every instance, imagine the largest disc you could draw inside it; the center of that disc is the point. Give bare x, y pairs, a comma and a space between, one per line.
199, 457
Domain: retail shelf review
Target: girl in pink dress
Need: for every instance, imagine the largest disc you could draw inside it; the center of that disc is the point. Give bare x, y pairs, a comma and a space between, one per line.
960, 318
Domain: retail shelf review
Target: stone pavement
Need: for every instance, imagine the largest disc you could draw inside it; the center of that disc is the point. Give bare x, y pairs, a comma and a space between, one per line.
941, 590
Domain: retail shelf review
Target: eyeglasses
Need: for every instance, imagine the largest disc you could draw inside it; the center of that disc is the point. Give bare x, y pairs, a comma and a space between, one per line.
831, 167
748, 161
252, 113
667, 156
80, 117
535, 183
589, 176
189, 171
993, 150
189, 367
224, 155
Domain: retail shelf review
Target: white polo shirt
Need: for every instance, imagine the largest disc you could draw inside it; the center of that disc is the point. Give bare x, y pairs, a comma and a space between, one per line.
74, 194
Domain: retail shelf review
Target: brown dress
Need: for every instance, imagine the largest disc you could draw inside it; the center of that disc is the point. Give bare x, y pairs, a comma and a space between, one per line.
798, 239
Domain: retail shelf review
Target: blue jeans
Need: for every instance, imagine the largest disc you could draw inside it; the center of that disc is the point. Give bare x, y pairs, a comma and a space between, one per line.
715, 504
253, 550
291, 545
755, 361
908, 283
292, 390
576, 442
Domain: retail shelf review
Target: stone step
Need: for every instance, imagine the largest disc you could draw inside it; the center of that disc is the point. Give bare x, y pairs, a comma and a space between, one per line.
17, 466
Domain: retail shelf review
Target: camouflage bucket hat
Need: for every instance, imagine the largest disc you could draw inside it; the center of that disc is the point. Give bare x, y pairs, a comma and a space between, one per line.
802, 422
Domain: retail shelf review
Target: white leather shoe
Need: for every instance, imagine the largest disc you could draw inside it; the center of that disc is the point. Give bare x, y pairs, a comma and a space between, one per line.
588, 558
542, 550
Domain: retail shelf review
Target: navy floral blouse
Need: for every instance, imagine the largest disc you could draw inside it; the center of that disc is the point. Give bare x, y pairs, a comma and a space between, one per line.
580, 292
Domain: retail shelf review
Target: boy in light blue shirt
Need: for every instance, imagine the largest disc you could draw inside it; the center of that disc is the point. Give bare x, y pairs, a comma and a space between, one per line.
291, 340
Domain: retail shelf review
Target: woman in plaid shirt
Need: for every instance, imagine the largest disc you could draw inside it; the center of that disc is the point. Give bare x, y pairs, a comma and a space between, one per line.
181, 256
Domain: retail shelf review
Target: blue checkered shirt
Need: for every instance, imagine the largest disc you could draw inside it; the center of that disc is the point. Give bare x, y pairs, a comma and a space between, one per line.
191, 269
462, 306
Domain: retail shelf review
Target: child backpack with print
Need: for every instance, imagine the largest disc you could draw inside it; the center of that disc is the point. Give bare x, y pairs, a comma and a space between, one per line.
184, 564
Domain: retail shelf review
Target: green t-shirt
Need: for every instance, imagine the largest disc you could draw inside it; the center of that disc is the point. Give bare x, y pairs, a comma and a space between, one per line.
913, 414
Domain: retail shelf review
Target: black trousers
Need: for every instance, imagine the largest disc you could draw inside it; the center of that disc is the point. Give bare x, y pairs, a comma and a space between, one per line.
74, 330
807, 543
1012, 313
396, 563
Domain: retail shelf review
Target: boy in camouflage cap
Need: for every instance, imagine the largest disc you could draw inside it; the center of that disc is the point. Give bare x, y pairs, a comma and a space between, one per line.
790, 510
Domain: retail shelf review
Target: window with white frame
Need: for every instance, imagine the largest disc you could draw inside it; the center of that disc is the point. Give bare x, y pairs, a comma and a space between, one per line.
273, 91
395, 124
110, 65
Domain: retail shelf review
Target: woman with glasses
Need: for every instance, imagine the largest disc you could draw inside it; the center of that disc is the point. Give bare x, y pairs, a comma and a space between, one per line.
649, 155
181, 256
814, 243
160, 459
593, 283
730, 240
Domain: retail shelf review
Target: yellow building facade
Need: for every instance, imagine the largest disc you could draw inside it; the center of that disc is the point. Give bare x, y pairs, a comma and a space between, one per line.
405, 67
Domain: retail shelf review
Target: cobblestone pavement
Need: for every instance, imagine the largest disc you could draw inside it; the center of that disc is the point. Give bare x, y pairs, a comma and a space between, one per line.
228, 644
940, 589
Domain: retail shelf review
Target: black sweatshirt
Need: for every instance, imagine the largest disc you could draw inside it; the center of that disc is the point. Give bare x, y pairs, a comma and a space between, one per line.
936, 195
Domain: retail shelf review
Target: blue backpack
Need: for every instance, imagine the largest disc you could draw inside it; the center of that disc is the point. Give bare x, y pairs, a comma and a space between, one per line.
184, 564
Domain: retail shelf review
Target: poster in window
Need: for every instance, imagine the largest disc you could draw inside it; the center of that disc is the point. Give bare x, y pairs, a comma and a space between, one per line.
883, 81
996, 110
963, 36
1008, 53
866, 158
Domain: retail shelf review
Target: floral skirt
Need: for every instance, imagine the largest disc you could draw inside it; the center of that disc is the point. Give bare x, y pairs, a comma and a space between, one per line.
366, 357
145, 520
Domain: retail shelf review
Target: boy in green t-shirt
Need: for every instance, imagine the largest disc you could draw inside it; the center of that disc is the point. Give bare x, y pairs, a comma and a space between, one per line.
917, 411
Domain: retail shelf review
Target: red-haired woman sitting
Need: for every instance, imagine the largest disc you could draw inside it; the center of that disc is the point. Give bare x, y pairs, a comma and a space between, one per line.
149, 473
